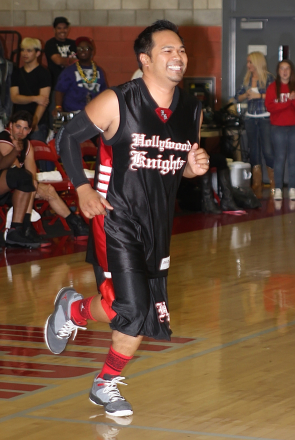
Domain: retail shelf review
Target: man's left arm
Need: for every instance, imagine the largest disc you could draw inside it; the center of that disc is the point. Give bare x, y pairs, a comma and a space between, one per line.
197, 159
40, 109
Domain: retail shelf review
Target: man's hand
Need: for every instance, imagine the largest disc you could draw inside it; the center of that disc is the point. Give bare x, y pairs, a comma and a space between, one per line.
42, 100
18, 144
253, 95
91, 202
197, 162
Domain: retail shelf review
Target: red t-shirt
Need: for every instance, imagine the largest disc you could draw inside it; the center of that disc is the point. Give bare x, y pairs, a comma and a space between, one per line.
282, 112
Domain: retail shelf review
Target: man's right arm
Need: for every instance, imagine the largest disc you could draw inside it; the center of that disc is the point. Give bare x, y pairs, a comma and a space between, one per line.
100, 115
52, 53
7, 158
16, 98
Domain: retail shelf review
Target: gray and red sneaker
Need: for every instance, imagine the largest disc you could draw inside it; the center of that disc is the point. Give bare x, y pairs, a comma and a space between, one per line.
59, 326
104, 392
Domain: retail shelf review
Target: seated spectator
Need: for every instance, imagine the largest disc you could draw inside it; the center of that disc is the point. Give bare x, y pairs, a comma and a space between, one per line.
81, 82
19, 129
16, 189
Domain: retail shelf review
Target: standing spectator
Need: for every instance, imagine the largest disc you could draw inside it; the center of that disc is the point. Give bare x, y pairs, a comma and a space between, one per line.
79, 83
30, 88
59, 50
280, 102
257, 122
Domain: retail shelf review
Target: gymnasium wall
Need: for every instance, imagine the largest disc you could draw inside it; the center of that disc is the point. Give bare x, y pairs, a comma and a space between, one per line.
114, 49
114, 24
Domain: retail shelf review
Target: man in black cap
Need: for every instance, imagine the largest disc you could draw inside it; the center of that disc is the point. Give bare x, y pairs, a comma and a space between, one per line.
59, 50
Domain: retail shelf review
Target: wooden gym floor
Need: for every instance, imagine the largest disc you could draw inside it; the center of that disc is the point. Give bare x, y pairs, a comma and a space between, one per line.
228, 372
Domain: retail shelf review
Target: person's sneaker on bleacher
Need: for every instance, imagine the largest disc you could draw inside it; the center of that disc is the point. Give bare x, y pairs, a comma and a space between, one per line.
59, 326
31, 234
17, 237
78, 226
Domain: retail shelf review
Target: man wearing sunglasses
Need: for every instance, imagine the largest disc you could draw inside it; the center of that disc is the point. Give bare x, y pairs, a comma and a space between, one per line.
79, 83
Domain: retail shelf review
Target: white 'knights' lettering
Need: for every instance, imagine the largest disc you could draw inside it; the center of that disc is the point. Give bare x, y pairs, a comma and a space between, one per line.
139, 160
139, 140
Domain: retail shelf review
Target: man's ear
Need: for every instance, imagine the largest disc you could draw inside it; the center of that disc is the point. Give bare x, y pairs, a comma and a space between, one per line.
144, 59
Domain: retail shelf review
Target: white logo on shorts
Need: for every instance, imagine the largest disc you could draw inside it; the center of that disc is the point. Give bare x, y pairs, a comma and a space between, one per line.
163, 313
165, 263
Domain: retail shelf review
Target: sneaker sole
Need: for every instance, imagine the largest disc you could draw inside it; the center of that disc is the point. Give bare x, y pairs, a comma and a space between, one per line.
123, 413
81, 238
23, 245
46, 244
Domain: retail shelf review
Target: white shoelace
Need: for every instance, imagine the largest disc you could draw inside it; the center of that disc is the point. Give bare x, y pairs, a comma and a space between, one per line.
112, 389
67, 329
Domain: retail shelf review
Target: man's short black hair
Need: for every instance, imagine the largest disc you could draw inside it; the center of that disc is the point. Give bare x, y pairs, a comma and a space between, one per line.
59, 20
144, 42
22, 115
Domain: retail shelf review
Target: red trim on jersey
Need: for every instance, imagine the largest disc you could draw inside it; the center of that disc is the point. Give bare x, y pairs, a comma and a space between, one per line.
163, 113
99, 238
106, 154
106, 159
108, 296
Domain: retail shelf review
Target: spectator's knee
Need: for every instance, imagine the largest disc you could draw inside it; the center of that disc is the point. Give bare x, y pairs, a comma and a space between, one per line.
21, 179
52, 194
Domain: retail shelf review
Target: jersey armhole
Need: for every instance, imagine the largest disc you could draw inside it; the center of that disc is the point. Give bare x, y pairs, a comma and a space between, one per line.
122, 110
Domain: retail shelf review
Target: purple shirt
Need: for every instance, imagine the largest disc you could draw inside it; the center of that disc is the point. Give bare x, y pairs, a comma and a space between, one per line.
77, 92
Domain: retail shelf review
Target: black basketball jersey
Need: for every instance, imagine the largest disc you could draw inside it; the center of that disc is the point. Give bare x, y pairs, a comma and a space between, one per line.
5, 137
140, 174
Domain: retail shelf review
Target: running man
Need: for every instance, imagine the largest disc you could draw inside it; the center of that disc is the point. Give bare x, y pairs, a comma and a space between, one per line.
150, 130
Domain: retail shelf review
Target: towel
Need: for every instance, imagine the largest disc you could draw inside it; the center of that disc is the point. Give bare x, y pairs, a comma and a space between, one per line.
53, 176
89, 173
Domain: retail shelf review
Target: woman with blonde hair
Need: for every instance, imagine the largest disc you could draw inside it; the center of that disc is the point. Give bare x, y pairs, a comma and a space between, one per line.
257, 119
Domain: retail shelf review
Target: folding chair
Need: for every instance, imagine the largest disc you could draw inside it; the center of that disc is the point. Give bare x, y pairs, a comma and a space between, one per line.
88, 149
65, 187
3, 212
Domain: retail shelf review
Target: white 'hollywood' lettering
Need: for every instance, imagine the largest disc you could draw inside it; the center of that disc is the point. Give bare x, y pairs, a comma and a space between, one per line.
139, 140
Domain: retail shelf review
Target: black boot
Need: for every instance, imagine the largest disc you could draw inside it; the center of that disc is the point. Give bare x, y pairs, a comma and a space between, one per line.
208, 203
31, 234
227, 202
78, 226
16, 236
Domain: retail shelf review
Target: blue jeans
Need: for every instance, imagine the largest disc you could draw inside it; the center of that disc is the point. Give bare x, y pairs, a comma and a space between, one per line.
41, 135
259, 141
283, 138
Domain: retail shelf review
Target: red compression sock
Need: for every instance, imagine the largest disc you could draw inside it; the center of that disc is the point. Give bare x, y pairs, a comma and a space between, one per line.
114, 364
80, 311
